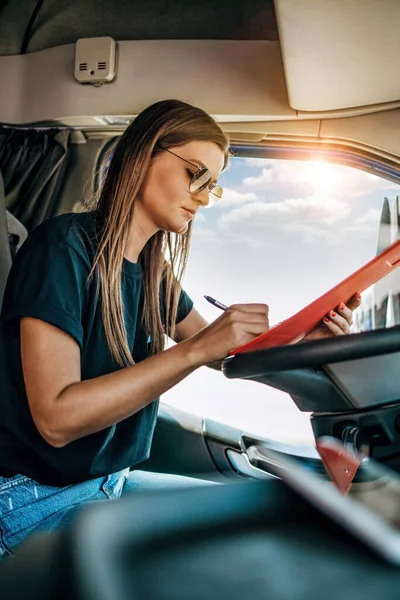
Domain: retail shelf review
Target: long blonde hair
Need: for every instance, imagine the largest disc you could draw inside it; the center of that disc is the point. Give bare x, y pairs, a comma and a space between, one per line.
167, 123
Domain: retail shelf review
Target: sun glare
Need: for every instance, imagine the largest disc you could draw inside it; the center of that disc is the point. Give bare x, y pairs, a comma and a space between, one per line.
323, 176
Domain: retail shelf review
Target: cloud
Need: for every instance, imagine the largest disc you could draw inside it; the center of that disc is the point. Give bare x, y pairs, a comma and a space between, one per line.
312, 209
265, 177
280, 171
368, 223
204, 235
372, 216
308, 200
234, 197
319, 175
309, 233
279, 180
359, 183
311, 218
255, 162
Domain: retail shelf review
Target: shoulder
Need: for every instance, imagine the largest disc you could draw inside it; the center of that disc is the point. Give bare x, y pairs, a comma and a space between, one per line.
74, 233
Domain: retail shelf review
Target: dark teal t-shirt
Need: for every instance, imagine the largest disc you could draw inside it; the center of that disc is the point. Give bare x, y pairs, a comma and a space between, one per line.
49, 281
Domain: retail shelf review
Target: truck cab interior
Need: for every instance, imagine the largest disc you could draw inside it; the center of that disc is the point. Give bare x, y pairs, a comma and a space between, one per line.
308, 92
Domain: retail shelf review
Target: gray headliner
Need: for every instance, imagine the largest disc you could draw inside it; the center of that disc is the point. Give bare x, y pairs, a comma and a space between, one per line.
60, 22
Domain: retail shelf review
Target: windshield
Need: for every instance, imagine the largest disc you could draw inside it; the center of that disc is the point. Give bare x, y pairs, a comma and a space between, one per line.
284, 233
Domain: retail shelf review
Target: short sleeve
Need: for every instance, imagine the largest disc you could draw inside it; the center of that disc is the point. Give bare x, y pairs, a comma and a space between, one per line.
47, 282
185, 305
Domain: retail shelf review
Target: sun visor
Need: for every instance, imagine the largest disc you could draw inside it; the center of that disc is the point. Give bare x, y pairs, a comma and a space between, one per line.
339, 54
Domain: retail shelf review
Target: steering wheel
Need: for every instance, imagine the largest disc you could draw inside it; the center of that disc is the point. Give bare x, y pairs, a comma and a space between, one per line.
312, 354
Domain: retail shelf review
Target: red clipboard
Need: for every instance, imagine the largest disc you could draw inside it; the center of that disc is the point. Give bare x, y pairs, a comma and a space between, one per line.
296, 327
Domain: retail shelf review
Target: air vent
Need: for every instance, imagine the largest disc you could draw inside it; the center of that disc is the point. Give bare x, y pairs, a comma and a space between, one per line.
95, 60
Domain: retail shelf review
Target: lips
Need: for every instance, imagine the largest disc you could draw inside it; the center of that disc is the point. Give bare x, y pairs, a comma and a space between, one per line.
190, 210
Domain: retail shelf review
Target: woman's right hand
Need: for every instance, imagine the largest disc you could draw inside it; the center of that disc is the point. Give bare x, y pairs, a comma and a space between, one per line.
238, 325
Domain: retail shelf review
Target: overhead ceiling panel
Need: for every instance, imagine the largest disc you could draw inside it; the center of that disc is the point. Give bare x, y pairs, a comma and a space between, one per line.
59, 22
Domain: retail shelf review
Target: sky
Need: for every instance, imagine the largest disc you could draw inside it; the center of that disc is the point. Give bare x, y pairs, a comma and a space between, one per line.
284, 233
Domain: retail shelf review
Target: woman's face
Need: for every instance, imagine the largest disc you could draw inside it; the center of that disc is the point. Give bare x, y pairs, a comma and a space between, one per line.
165, 200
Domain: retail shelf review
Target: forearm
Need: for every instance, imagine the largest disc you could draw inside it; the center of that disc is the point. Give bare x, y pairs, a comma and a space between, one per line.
89, 406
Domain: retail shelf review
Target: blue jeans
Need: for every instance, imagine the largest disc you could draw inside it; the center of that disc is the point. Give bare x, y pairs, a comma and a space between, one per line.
27, 506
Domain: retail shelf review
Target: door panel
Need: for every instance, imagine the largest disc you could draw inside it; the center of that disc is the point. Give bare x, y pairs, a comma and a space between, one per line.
179, 446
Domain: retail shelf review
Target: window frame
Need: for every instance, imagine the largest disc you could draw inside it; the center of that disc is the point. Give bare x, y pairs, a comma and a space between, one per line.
341, 154
344, 155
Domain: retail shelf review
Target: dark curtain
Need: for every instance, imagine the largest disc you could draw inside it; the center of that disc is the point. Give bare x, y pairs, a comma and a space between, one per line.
33, 163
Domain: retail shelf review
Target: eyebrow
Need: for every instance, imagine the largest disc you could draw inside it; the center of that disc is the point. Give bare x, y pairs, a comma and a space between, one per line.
201, 164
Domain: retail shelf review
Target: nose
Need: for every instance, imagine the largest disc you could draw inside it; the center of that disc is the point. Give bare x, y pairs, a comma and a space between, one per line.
202, 197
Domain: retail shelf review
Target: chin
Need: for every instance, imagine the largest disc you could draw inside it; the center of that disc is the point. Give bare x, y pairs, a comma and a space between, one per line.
177, 227
182, 229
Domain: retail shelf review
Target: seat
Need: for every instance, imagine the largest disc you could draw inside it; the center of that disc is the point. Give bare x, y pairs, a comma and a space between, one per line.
12, 235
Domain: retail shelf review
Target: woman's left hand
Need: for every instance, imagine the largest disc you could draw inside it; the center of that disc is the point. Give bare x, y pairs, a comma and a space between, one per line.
337, 322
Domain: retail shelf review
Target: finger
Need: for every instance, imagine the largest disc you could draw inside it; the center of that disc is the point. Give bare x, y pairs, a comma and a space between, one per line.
262, 309
246, 333
339, 321
251, 327
255, 329
346, 313
333, 326
242, 318
354, 302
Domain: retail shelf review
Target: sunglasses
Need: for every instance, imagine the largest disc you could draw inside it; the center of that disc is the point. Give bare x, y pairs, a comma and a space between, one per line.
200, 180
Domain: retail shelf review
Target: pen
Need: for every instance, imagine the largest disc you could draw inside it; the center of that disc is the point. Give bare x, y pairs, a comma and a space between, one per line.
215, 303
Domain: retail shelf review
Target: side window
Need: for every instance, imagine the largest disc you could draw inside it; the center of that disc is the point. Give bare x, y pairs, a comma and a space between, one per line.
284, 232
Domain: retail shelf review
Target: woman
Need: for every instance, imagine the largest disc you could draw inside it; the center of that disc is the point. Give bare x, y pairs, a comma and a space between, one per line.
87, 303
